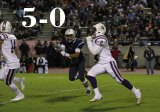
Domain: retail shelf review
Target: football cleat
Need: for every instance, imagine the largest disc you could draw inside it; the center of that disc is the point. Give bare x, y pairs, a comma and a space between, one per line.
21, 82
138, 96
96, 98
20, 96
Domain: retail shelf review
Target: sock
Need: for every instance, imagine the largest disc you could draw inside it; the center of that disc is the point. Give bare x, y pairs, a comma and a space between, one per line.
85, 84
96, 91
93, 81
14, 88
134, 90
84, 81
76, 77
127, 84
15, 79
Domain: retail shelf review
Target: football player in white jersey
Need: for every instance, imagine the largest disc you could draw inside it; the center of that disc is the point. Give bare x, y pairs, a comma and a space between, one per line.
8, 49
98, 44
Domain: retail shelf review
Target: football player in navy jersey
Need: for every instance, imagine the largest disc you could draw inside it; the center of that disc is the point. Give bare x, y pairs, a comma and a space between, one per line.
71, 48
98, 44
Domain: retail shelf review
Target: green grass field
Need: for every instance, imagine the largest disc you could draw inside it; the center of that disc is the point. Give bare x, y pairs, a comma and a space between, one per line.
55, 93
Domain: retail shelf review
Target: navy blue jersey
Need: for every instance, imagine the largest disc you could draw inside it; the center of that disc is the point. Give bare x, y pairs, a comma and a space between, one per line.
70, 48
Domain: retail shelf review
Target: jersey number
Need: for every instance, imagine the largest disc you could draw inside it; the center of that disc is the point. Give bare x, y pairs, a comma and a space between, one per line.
101, 43
13, 45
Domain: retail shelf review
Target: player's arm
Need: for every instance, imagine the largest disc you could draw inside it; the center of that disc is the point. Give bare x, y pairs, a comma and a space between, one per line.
78, 49
63, 53
76, 54
62, 47
94, 49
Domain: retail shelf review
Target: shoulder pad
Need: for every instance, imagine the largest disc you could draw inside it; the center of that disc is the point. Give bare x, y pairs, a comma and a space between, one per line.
3, 36
79, 43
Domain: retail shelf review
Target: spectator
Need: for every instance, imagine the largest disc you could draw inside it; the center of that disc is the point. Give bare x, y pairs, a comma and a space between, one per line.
46, 66
23, 65
30, 65
131, 54
45, 47
51, 55
41, 62
35, 65
24, 49
39, 48
115, 53
149, 55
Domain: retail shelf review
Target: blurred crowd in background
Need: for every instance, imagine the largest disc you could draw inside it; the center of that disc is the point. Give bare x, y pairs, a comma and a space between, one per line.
126, 20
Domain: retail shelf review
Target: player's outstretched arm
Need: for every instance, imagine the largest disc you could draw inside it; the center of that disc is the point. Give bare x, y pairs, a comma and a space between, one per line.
94, 49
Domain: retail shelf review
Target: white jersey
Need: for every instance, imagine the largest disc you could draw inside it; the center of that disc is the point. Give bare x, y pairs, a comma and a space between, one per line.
8, 50
40, 61
105, 54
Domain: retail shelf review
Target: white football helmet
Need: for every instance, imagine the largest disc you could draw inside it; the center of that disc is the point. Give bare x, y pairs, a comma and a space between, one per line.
70, 35
100, 29
6, 27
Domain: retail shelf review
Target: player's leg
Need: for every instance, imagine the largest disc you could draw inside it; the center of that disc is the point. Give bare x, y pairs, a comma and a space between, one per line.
20, 81
73, 73
95, 70
81, 70
9, 77
2, 74
113, 70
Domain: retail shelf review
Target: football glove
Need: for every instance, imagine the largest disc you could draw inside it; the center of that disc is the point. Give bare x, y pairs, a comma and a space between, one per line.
65, 54
89, 38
